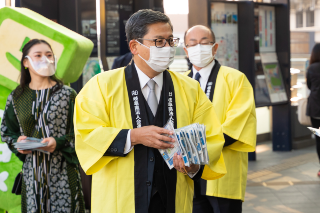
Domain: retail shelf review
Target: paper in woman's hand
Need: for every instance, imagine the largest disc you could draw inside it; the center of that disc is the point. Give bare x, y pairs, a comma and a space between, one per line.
32, 144
315, 131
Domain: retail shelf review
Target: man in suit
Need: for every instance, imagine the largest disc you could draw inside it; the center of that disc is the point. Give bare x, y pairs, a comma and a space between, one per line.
119, 118
232, 96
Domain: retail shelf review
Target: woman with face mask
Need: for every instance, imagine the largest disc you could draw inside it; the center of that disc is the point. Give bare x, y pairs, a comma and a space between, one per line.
42, 107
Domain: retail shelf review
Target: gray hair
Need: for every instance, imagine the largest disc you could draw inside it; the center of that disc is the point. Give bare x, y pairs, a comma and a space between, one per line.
137, 24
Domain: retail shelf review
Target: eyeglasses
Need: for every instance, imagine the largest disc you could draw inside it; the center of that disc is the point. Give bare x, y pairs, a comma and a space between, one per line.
161, 42
201, 43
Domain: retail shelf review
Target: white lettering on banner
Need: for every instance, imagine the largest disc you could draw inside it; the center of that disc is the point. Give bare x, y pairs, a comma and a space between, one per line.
208, 90
170, 108
136, 107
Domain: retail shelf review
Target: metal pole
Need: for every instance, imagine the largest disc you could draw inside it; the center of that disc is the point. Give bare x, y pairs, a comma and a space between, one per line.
101, 34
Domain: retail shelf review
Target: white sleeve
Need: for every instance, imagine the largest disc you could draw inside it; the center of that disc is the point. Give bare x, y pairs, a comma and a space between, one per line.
128, 147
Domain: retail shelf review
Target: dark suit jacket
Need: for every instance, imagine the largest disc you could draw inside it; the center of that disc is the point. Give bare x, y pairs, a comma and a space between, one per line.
122, 61
313, 82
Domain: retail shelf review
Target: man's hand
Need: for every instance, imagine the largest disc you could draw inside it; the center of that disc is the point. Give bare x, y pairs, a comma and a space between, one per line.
179, 165
51, 144
25, 152
151, 136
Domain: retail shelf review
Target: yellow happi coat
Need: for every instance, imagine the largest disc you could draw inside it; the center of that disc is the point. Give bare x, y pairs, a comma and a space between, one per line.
102, 109
234, 104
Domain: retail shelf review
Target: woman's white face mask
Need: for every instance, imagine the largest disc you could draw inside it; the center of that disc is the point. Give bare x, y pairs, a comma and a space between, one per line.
201, 55
44, 67
160, 58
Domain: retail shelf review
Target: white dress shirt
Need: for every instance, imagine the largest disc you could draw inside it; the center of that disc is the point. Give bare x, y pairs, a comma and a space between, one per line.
204, 73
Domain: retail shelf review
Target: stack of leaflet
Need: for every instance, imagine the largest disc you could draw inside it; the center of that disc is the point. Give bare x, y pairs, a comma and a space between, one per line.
32, 144
190, 143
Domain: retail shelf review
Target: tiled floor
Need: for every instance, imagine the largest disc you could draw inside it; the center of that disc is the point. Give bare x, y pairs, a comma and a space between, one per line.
283, 182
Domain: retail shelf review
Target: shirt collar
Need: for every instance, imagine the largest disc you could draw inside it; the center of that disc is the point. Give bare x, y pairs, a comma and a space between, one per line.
144, 79
205, 71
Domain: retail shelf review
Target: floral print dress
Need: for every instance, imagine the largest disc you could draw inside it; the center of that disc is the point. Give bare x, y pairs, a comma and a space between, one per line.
51, 182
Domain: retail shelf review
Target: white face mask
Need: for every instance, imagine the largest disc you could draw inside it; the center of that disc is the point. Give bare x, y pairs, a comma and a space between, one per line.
44, 66
160, 58
201, 55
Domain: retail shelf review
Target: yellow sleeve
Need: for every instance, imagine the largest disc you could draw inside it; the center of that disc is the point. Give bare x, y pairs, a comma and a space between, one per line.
93, 132
240, 122
205, 114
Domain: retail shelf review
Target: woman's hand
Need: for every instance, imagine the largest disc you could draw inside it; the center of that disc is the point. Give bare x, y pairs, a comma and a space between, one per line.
25, 152
51, 144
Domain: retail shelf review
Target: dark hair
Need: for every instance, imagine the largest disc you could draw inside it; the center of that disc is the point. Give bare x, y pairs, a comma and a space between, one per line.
212, 33
315, 55
137, 24
25, 77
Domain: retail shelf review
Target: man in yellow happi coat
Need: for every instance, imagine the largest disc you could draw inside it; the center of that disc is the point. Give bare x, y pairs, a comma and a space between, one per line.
119, 117
232, 96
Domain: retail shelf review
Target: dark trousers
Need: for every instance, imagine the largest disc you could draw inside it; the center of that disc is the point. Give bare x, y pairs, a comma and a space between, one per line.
86, 181
316, 124
209, 204
156, 205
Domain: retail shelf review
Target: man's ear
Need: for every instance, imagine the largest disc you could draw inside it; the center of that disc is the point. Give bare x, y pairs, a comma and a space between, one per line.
215, 49
133, 47
186, 51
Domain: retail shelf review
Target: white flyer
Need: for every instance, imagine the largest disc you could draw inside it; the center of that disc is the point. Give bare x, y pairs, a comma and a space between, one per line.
315, 131
168, 154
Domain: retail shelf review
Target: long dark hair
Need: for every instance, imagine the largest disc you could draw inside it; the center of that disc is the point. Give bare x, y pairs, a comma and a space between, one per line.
25, 78
315, 55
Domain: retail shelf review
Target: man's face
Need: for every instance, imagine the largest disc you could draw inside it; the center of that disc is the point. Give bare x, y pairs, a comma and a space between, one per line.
199, 35
155, 31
